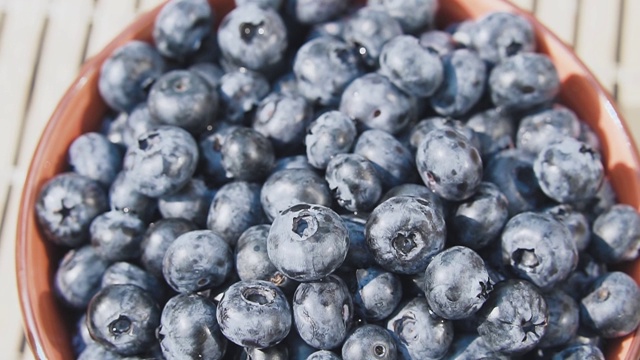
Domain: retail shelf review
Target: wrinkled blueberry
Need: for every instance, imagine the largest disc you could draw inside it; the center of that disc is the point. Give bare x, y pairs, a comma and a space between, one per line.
117, 236
157, 238
370, 342
235, 207
379, 292
354, 182
78, 276
332, 133
181, 26
293, 186
368, 30
247, 155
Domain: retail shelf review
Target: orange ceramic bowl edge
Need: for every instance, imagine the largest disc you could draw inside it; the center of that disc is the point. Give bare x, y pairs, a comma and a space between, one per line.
81, 110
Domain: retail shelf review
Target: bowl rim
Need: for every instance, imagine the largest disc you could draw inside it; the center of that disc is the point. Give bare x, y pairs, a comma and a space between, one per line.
42, 348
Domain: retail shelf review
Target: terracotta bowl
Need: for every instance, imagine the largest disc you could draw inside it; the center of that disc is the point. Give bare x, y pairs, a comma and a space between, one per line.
81, 109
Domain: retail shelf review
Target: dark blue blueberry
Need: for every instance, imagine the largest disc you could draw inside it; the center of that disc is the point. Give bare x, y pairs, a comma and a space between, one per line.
283, 119
465, 75
117, 235
437, 41
579, 352
210, 146
66, 205
333, 29
323, 355
277, 352
162, 161
291, 162
472, 347
139, 121
240, 93
602, 201
247, 155
579, 282
404, 232
392, 160
78, 276
157, 238
123, 197
123, 318
370, 342
332, 133
495, 131
479, 220
273, 4
183, 98
375, 103
564, 319
569, 170
323, 312
589, 136
191, 202
616, 235
289, 187
181, 26
81, 338
425, 126
253, 37
612, 307
358, 255
514, 318
354, 182
324, 67
576, 221
449, 165
419, 334
415, 190
189, 329
96, 351
500, 35
538, 248
197, 260
86, 149
235, 208
379, 292
368, 29
123, 273
316, 11
411, 67
286, 84
412, 15
545, 127
127, 74
307, 242
254, 314
462, 33
524, 81
210, 72
114, 128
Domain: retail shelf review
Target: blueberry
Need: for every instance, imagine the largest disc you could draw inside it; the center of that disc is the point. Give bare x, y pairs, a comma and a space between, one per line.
183, 98
162, 162
545, 127
569, 170
375, 103
616, 235
437, 41
612, 307
290, 187
370, 342
404, 232
114, 128
189, 329
210, 72
462, 33
66, 205
197, 260
579, 352
117, 236
514, 318
156, 241
323, 311
191, 202
253, 37
81, 338
602, 201
240, 93
323, 355
273, 4
379, 292
334, 28
235, 207
500, 35
576, 222
393, 161
237, 311
286, 84
123, 318
412, 15
210, 146
323, 68
354, 182
88, 147
181, 26
123, 273
368, 30
538, 248
411, 67
495, 131
564, 319
139, 121
358, 255
97, 351
291, 162
123, 197
78, 276
283, 119
247, 155
524, 81
589, 136
471, 347
579, 282
332, 133
127, 74
419, 334
464, 83
307, 242
277, 352
415, 190
479, 220
425, 126
315, 11
449, 165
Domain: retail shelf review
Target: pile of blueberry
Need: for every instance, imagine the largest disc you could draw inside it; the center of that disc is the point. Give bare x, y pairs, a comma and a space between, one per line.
320, 180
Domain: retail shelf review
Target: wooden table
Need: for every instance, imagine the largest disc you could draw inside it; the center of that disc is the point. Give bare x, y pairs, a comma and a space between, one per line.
44, 42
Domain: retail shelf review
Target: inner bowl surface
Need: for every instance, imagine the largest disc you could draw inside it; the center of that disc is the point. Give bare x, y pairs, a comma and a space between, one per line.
81, 109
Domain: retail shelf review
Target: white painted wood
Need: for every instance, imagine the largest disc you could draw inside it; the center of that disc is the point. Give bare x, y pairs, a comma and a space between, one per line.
629, 71
110, 18
525, 4
146, 5
559, 16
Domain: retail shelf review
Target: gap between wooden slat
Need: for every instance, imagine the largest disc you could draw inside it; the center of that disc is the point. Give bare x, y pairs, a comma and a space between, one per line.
629, 59
110, 18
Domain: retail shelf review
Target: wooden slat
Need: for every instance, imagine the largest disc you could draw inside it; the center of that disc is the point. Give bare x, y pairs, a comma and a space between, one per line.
146, 5
597, 40
629, 71
526, 4
110, 18
559, 16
